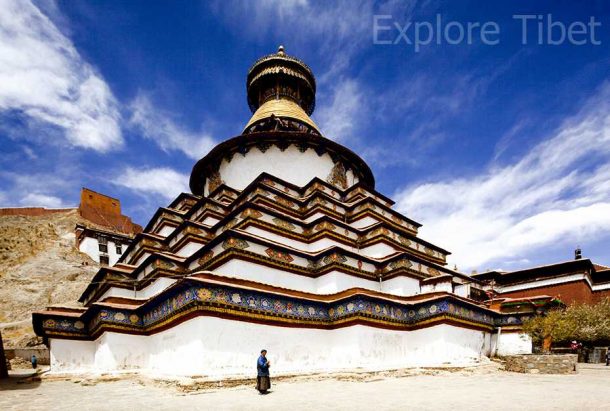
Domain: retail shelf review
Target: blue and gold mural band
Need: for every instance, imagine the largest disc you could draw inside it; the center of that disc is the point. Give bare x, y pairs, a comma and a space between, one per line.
198, 298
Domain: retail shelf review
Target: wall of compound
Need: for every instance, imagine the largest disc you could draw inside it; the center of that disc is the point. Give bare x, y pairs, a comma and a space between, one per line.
511, 344
217, 347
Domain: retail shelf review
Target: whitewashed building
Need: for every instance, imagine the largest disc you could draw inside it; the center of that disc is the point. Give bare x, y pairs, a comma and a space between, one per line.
103, 246
283, 244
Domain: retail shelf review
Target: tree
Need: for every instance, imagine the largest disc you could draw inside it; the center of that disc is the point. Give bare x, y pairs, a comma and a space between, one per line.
582, 322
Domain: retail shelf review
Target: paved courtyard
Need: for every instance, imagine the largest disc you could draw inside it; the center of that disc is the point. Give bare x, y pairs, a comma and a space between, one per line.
485, 388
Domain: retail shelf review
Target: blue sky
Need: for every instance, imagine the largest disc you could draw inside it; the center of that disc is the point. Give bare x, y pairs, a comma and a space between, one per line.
501, 151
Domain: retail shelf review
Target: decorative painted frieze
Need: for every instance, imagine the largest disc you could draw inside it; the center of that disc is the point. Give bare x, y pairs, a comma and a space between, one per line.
269, 182
314, 265
163, 264
334, 258
284, 201
214, 181
262, 192
279, 255
256, 305
338, 176
207, 256
263, 146
325, 225
252, 213
283, 224
319, 200
230, 224
404, 241
194, 230
402, 263
235, 243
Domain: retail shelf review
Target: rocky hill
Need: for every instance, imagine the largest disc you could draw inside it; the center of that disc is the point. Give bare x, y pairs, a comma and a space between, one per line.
39, 266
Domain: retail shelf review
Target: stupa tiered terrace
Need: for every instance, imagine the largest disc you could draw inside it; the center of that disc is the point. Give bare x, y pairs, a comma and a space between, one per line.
283, 244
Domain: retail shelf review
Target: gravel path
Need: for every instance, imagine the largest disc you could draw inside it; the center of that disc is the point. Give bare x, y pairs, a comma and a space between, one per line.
485, 388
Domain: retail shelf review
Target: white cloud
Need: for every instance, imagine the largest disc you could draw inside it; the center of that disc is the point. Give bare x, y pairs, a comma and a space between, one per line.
557, 194
339, 29
162, 181
39, 189
42, 200
158, 125
339, 118
43, 77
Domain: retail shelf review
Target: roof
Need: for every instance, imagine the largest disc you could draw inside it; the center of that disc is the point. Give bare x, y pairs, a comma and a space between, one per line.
282, 107
565, 267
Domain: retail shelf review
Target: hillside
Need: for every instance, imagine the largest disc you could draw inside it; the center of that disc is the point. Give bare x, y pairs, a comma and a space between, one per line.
39, 266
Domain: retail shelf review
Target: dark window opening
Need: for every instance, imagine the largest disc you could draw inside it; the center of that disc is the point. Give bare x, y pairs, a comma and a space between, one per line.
103, 248
104, 260
119, 249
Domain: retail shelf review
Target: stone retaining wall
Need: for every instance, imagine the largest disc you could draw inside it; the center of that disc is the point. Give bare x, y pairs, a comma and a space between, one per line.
542, 364
42, 354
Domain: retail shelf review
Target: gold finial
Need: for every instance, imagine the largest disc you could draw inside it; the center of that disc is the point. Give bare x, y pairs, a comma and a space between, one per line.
280, 50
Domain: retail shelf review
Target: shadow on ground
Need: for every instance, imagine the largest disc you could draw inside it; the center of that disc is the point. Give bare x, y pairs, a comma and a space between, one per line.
22, 380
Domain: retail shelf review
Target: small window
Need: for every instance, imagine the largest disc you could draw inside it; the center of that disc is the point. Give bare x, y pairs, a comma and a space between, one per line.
103, 248
119, 249
104, 260
102, 240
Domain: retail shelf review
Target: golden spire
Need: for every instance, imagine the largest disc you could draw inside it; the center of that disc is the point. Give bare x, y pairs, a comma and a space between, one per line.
281, 94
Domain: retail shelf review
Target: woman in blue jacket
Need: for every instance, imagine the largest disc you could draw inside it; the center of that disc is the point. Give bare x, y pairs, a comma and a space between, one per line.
263, 383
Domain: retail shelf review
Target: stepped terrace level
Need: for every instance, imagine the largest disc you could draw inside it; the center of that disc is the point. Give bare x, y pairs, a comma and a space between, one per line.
284, 243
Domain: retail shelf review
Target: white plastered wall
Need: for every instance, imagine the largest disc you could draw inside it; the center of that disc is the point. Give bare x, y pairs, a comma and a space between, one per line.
512, 344
90, 246
331, 282
292, 165
149, 291
404, 286
216, 347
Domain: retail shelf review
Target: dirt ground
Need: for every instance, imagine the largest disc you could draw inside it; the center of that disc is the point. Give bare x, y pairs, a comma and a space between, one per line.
482, 388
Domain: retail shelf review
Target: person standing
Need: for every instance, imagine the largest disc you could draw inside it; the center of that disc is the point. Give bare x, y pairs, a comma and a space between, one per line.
263, 383
34, 361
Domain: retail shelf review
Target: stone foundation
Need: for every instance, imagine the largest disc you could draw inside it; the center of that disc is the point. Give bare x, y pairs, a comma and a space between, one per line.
542, 364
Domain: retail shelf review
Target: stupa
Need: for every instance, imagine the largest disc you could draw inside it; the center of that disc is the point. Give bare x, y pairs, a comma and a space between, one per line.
282, 244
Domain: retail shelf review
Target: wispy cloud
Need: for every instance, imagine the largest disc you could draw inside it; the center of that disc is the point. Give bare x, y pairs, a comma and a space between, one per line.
39, 189
159, 126
162, 181
339, 119
42, 200
340, 29
44, 78
557, 194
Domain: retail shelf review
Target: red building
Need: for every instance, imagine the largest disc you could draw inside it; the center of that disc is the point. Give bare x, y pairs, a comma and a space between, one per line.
576, 281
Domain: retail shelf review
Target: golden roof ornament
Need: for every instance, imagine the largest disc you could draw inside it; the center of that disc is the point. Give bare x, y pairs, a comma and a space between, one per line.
281, 94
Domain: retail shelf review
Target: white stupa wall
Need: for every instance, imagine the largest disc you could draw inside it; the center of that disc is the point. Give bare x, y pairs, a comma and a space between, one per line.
379, 250
331, 282
152, 289
292, 165
232, 349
